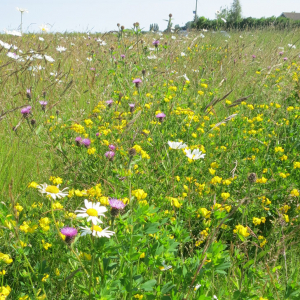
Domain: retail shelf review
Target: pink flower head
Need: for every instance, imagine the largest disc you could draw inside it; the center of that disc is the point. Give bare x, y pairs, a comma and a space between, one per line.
112, 147
110, 155
26, 111
86, 142
285, 58
253, 56
69, 233
109, 102
115, 203
131, 105
155, 43
97, 134
160, 116
122, 56
281, 53
137, 82
43, 104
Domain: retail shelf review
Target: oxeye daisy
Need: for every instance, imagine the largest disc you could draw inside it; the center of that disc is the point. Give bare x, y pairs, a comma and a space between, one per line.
92, 211
97, 231
52, 191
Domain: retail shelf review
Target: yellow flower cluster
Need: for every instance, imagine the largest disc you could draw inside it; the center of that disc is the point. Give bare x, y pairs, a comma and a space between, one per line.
240, 229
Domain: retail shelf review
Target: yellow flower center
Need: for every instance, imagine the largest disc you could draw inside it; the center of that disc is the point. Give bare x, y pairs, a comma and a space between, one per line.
97, 228
52, 189
92, 212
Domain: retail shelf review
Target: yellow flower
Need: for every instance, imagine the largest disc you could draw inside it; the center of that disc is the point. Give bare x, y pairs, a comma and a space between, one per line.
139, 194
296, 165
18, 207
204, 212
46, 276
142, 255
226, 182
138, 296
56, 180
286, 218
283, 157
214, 165
216, 180
4, 292
3, 272
294, 193
200, 93
44, 223
6, 258
85, 256
57, 273
46, 245
24, 297
23, 245
279, 149
91, 151
261, 180
212, 171
225, 196
256, 221
33, 185
57, 205
240, 229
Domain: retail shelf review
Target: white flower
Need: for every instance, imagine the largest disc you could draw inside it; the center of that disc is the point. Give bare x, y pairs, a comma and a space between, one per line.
185, 77
52, 191
49, 58
205, 30
165, 267
218, 12
160, 34
61, 49
12, 55
173, 37
22, 10
92, 211
53, 74
97, 231
151, 57
89, 59
183, 54
292, 46
37, 56
202, 35
223, 20
13, 32
151, 49
44, 28
196, 154
41, 39
5, 45
197, 287
177, 145
215, 297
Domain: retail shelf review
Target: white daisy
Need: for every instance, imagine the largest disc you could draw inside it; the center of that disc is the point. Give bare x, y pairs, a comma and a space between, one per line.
22, 10
41, 39
197, 286
165, 267
92, 211
196, 154
97, 231
61, 49
52, 191
183, 54
49, 58
176, 145
44, 28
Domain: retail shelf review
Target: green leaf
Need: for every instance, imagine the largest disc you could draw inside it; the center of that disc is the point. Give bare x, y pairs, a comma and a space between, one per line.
148, 285
249, 263
151, 228
167, 287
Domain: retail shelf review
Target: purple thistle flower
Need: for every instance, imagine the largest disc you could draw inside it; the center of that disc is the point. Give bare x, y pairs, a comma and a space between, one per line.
26, 111
281, 53
112, 147
109, 102
122, 56
69, 233
86, 142
131, 105
92, 69
285, 58
97, 134
253, 56
28, 93
78, 140
160, 116
43, 104
155, 43
116, 205
110, 155
137, 82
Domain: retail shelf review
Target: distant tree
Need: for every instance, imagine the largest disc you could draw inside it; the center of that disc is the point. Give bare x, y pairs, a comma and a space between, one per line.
235, 13
154, 27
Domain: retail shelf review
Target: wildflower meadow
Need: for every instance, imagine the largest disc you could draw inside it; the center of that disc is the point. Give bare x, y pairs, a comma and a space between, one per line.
150, 165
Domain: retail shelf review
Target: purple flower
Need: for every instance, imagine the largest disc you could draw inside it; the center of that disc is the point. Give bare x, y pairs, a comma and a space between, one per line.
43, 104
112, 147
92, 69
110, 155
86, 142
281, 53
97, 134
78, 140
26, 111
69, 233
131, 105
137, 82
253, 56
109, 102
28, 93
155, 43
122, 56
160, 116
285, 58
115, 203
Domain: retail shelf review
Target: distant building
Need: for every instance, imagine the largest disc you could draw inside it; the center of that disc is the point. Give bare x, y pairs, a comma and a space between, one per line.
293, 16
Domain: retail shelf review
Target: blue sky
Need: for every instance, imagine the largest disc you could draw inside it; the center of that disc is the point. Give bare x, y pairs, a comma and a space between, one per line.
103, 15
